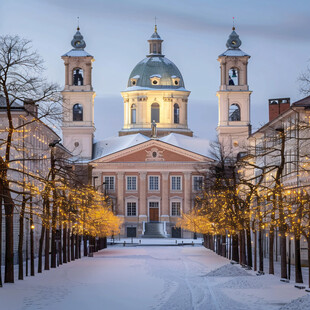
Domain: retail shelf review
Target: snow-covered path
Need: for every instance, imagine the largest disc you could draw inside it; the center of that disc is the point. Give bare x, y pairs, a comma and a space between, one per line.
150, 277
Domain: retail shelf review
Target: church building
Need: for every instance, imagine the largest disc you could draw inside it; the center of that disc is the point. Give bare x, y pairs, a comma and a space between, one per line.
154, 169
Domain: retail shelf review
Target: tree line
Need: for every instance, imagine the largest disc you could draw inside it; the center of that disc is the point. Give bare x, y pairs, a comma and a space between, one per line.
42, 191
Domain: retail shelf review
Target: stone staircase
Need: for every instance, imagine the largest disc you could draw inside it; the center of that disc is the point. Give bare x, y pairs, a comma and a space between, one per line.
154, 230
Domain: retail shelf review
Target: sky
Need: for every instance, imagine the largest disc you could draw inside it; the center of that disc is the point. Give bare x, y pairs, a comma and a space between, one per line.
274, 32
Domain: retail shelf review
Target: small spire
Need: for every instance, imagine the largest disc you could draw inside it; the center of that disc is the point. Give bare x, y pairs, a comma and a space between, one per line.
233, 28
78, 27
155, 24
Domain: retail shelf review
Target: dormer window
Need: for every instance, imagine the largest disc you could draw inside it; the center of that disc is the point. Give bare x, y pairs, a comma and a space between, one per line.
155, 79
175, 80
134, 80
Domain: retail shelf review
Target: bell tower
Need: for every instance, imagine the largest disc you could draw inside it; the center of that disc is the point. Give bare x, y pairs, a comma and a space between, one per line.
234, 97
78, 99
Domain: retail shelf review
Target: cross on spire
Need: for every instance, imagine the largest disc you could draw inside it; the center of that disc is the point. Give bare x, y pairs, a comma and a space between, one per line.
78, 22
233, 28
155, 24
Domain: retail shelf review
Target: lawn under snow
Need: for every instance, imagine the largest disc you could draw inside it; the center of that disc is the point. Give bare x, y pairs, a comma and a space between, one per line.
152, 277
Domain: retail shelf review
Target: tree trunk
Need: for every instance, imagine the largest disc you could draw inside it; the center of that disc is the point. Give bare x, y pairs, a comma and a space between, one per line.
60, 243
21, 240
68, 245
41, 247
9, 238
47, 238
242, 246
271, 246
283, 255
255, 250
80, 243
76, 246
0, 234
308, 240
31, 240
235, 252
249, 247
260, 250
85, 245
72, 247
64, 245
298, 271
223, 246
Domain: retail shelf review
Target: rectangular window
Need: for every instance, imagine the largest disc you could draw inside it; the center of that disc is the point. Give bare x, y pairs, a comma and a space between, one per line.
153, 183
131, 183
197, 183
176, 208
176, 183
131, 209
109, 183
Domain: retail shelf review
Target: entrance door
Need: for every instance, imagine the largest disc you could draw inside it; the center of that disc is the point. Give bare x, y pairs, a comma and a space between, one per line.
154, 211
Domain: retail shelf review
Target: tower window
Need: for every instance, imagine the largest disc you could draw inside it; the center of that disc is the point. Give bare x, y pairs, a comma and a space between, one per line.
78, 78
176, 113
133, 114
234, 113
155, 112
233, 77
77, 112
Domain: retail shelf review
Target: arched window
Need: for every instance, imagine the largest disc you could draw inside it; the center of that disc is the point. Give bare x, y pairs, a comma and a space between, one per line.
78, 77
77, 112
234, 113
155, 112
233, 77
133, 114
176, 113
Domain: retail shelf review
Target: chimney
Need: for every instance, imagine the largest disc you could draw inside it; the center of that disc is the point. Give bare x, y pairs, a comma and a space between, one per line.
31, 107
278, 106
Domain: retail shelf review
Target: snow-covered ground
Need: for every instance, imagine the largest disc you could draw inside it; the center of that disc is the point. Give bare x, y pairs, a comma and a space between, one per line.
152, 277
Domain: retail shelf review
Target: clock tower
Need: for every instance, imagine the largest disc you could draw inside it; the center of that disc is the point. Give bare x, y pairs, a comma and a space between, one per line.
78, 100
234, 97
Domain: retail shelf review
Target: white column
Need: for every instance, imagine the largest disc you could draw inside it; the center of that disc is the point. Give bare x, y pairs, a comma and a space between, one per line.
142, 197
187, 192
120, 193
165, 196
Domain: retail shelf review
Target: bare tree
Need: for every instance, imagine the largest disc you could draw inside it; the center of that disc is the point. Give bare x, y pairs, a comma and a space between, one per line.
20, 81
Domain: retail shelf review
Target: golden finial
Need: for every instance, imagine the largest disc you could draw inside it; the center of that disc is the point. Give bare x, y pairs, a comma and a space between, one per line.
233, 28
155, 24
78, 27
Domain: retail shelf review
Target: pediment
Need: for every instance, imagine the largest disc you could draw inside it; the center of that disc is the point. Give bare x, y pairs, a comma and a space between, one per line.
153, 151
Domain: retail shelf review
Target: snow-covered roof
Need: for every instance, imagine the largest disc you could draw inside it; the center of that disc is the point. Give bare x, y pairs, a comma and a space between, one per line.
115, 144
234, 52
77, 53
192, 144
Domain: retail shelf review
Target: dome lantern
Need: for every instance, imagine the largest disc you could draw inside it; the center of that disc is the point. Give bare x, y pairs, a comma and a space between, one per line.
155, 43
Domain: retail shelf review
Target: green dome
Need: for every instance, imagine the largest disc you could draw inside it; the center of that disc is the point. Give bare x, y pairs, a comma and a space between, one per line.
156, 66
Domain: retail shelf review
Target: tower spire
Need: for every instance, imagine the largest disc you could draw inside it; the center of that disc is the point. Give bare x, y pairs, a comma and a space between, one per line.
78, 24
155, 24
233, 28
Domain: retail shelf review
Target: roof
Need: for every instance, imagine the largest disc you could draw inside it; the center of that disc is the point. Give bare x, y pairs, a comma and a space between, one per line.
234, 52
305, 102
116, 144
77, 53
302, 103
156, 66
14, 105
